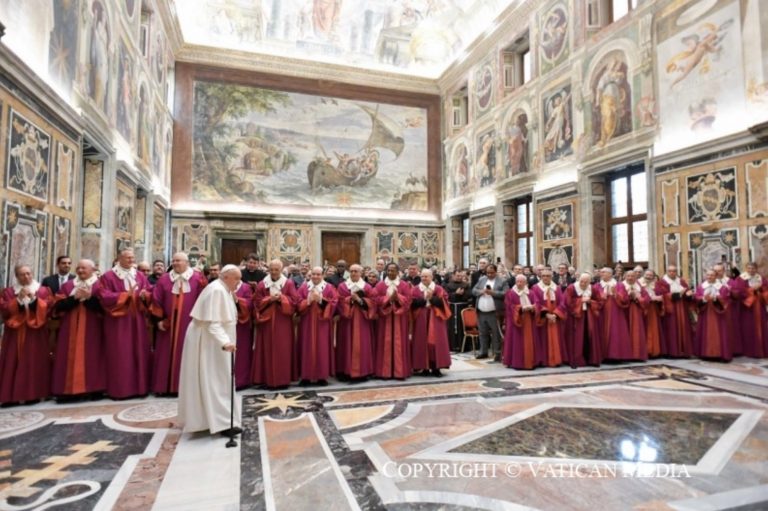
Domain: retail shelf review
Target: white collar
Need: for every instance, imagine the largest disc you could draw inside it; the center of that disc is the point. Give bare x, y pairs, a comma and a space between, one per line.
392, 283
521, 292
716, 284
181, 281
636, 286
609, 283
32, 287
186, 275
551, 287
675, 285
275, 284
424, 288
582, 292
123, 273
756, 278
355, 286
87, 282
311, 286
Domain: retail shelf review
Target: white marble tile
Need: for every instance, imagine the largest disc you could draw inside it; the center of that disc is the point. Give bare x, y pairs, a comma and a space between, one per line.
203, 474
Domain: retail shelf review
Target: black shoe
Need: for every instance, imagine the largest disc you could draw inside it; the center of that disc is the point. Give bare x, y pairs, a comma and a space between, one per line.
304, 383
322, 383
424, 372
497, 358
436, 373
481, 356
231, 432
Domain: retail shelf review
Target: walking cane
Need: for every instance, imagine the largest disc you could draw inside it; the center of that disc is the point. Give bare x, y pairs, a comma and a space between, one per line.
232, 442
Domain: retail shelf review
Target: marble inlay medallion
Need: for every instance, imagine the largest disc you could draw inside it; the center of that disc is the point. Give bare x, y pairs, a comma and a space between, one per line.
153, 411
18, 420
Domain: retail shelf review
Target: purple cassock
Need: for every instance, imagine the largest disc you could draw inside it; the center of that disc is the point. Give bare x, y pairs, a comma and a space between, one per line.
78, 366
713, 339
244, 353
584, 339
750, 294
126, 349
521, 346
25, 366
355, 333
315, 354
551, 334
429, 344
677, 335
393, 355
172, 312
273, 353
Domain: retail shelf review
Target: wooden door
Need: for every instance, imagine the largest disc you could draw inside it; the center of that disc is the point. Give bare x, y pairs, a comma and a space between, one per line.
341, 245
234, 251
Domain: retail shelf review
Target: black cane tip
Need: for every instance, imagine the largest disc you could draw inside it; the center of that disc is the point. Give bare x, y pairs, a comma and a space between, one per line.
232, 443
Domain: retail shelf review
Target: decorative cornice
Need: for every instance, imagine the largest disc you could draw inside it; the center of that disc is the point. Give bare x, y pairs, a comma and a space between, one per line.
29, 83
304, 69
510, 23
171, 24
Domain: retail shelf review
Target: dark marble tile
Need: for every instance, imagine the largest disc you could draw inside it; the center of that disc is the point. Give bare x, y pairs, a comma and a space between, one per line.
355, 465
607, 434
89, 453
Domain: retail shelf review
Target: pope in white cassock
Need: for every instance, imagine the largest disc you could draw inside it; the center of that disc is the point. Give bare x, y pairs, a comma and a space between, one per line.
206, 380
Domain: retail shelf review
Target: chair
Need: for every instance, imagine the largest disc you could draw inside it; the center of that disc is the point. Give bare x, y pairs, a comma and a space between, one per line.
469, 319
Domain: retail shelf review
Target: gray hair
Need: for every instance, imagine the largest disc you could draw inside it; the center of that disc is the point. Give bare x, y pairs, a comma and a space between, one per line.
228, 268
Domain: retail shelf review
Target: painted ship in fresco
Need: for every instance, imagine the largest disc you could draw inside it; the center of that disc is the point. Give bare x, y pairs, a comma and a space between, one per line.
357, 169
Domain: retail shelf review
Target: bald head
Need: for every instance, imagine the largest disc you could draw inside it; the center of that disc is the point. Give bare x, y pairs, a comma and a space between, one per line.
316, 275
125, 258
275, 269
85, 269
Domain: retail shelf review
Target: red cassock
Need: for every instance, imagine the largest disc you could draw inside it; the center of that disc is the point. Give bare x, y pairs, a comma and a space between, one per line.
677, 336
392, 357
751, 297
273, 353
25, 364
732, 318
78, 366
633, 345
172, 310
429, 344
551, 334
244, 353
520, 334
713, 339
584, 337
653, 314
315, 354
126, 349
355, 334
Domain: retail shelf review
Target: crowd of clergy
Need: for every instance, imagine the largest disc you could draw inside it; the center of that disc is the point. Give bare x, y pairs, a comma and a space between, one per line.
121, 333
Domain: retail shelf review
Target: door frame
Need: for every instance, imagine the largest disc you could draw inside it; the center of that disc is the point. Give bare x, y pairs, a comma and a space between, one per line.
365, 241
260, 236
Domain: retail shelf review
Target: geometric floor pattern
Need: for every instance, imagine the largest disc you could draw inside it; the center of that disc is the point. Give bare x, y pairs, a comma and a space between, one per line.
667, 434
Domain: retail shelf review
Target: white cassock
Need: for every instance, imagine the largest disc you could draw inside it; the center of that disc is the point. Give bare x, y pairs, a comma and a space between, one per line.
206, 376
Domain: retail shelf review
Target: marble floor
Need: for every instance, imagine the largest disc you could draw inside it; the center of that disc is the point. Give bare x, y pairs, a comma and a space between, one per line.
663, 435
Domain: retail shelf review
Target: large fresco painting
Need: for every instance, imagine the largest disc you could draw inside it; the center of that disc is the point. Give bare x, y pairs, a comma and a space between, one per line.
280, 148
611, 99
558, 124
700, 74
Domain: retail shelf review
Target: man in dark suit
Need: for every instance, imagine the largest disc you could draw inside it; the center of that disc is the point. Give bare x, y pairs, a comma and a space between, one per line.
252, 273
489, 293
381, 271
55, 281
